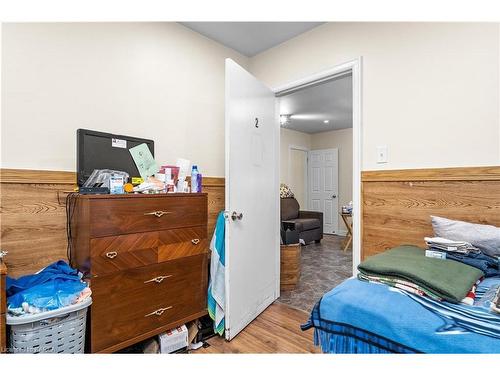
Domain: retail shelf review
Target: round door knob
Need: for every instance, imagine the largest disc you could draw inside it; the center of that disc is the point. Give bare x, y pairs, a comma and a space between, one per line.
334, 196
236, 216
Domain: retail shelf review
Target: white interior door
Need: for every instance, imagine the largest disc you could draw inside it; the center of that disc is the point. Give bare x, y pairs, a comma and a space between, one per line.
323, 186
252, 194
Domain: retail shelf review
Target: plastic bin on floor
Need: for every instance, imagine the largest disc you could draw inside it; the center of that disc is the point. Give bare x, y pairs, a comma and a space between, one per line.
57, 331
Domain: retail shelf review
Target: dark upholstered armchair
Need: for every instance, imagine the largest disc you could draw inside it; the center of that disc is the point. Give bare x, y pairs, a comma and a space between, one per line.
308, 223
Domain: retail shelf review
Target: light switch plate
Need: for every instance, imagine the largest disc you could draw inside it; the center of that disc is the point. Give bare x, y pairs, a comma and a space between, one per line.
382, 154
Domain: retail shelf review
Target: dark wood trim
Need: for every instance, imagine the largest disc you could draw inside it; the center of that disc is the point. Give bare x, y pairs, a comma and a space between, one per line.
138, 196
212, 181
491, 173
34, 176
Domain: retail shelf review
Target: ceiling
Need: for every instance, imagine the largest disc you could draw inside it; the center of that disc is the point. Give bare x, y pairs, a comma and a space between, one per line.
250, 38
310, 107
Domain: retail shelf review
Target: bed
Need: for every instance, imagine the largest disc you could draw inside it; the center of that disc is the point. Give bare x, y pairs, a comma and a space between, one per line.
362, 317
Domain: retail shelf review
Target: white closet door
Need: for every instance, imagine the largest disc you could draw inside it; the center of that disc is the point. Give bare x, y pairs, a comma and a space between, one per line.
323, 186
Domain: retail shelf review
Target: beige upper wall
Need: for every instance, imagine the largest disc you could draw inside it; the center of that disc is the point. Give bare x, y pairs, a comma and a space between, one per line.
154, 80
290, 138
341, 140
430, 90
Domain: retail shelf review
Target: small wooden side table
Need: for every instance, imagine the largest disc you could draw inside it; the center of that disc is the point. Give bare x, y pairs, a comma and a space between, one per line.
290, 266
347, 218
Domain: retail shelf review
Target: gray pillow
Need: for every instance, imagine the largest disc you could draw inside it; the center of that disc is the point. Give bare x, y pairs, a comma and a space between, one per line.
484, 237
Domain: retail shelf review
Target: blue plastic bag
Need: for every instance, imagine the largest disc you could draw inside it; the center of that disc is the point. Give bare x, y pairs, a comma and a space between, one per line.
55, 286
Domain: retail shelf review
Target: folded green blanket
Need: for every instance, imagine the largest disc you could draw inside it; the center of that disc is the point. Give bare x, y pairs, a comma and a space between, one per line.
447, 279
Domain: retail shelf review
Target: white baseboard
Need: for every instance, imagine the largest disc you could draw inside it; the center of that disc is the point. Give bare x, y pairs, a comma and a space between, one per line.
341, 232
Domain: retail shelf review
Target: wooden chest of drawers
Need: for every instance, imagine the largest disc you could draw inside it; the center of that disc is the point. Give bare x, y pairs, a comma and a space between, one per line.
147, 260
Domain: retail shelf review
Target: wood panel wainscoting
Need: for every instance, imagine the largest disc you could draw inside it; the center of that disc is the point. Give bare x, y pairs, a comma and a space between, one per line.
397, 204
33, 215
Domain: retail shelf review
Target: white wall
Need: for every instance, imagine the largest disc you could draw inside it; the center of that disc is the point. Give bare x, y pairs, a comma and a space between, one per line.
341, 140
297, 178
289, 138
430, 91
153, 80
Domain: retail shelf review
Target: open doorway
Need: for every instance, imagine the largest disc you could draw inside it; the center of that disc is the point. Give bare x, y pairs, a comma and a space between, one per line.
317, 175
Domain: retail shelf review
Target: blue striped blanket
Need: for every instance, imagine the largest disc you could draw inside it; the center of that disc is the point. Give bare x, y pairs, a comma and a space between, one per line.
361, 317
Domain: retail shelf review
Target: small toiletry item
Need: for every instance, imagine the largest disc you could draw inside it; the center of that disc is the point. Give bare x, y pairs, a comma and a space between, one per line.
162, 178
170, 186
137, 180
194, 179
171, 172
116, 184
200, 177
180, 185
128, 187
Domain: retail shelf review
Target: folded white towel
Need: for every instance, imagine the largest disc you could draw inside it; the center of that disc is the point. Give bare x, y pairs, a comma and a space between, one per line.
449, 245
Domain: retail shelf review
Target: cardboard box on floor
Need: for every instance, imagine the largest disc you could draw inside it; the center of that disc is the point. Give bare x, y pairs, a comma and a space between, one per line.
178, 338
174, 339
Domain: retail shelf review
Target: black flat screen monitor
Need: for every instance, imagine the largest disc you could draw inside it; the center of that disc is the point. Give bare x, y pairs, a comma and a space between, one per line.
97, 150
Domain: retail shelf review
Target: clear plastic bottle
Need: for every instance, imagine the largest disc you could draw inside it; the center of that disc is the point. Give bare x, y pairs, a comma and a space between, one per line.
195, 188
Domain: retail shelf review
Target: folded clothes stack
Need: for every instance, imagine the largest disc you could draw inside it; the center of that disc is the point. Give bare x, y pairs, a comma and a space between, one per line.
444, 244
466, 253
406, 267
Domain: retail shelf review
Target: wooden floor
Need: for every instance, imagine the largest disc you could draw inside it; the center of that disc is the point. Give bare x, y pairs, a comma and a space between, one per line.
276, 330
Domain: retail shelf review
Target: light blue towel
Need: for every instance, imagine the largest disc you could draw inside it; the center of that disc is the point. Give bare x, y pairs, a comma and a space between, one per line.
216, 285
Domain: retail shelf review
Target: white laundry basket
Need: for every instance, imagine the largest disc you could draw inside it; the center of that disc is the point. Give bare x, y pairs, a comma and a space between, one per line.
56, 331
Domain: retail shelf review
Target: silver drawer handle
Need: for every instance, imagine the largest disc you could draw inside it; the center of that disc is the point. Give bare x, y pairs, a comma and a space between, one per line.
158, 213
195, 241
157, 279
158, 312
111, 254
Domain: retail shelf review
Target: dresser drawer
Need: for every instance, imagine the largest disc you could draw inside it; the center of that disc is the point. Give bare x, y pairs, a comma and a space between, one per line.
134, 325
131, 303
119, 288
130, 215
116, 253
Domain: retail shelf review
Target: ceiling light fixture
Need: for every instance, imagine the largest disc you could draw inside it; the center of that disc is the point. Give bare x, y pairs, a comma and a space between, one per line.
285, 120
326, 121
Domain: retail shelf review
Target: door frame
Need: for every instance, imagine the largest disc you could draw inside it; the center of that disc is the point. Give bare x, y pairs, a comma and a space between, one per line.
306, 176
355, 67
